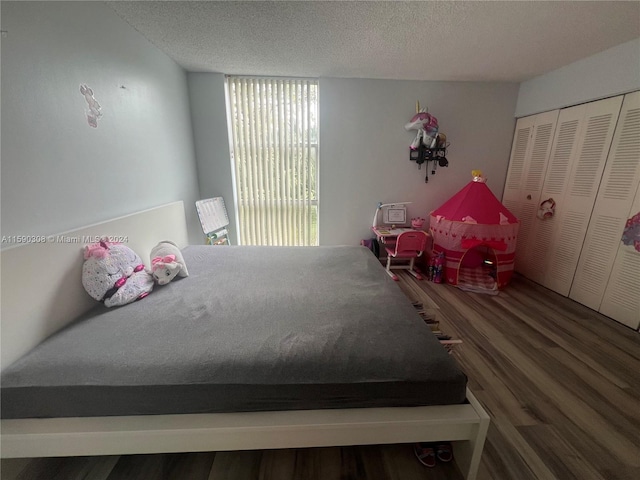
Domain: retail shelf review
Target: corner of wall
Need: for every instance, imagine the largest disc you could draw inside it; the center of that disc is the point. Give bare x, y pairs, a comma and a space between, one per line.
211, 140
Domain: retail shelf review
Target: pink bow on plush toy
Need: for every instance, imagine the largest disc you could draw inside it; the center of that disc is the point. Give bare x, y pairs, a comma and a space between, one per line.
167, 262
158, 262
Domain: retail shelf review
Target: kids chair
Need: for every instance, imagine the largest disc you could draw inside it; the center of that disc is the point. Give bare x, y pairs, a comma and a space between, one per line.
409, 245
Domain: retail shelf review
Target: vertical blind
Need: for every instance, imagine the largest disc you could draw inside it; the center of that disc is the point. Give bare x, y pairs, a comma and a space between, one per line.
274, 123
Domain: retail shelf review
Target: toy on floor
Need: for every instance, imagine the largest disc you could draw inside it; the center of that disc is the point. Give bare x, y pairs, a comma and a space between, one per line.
114, 274
167, 262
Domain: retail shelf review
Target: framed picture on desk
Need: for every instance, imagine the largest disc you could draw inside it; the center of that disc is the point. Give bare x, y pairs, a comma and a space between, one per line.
394, 215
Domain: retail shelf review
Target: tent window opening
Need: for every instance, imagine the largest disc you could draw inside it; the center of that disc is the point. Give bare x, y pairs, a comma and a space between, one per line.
478, 269
274, 125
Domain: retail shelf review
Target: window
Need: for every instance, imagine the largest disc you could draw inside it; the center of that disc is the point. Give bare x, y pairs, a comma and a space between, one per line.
274, 125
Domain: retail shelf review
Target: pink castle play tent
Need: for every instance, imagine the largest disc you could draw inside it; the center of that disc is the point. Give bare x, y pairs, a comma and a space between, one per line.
477, 235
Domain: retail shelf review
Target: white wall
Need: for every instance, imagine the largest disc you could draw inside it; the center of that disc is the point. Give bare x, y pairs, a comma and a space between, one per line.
612, 72
364, 149
211, 136
57, 172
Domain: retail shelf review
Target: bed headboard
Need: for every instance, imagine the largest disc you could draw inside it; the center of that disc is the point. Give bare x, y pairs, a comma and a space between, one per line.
41, 283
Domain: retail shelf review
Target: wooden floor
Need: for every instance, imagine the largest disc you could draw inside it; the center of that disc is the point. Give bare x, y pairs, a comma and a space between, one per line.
561, 383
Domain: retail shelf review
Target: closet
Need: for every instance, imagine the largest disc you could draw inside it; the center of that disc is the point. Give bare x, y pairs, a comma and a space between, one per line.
527, 166
621, 298
591, 172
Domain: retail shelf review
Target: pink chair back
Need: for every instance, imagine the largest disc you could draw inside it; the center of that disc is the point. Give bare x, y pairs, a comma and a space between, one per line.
411, 244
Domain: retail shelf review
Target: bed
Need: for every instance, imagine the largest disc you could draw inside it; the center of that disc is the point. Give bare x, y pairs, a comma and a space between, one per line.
265, 347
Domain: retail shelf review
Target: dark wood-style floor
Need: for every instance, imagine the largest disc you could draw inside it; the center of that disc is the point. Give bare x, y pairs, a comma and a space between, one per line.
561, 383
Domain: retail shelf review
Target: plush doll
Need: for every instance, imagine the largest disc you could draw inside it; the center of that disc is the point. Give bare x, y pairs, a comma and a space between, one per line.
114, 274
167, 262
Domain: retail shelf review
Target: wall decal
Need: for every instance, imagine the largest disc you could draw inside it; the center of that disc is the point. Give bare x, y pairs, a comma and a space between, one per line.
93, 112
631, 233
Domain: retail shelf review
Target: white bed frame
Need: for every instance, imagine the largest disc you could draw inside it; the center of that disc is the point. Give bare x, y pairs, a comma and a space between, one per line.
35, 303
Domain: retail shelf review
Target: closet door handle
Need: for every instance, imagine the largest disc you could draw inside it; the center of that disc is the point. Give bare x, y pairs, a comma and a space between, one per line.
528, 197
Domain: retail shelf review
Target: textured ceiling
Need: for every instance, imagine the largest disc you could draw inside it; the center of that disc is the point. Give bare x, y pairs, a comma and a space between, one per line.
428, 40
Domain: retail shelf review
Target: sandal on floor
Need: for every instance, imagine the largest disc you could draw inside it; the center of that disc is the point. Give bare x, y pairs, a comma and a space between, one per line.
426, 454
444, 452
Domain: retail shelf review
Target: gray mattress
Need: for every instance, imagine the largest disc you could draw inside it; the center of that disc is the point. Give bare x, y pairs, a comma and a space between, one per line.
251, 328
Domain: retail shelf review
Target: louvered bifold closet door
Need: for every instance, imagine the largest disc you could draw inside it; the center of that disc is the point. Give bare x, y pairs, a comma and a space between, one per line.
527, 167
596, 124
622, 297
556, 178
613, 203
512, 196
